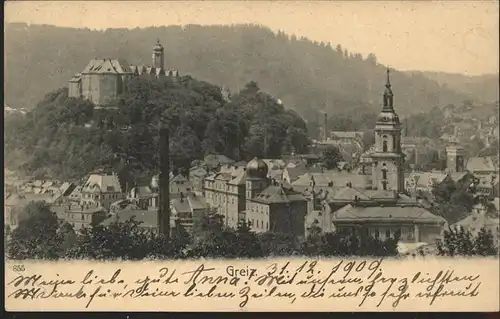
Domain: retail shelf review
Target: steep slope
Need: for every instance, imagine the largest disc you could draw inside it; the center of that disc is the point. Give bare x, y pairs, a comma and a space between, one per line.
306, 76
484, 88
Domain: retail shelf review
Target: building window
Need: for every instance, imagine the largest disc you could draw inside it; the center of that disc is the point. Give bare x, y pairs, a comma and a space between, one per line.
267, 225
397, 234
377, 233
384, 173
388, 234
83, 217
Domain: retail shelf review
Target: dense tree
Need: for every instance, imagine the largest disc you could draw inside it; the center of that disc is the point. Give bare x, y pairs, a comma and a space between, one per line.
485, 244
318, 243
216, 242
247, 244
120, 240
460, 242
331, 156
180, 238
36, 236
451, 201
428, 125
278, 244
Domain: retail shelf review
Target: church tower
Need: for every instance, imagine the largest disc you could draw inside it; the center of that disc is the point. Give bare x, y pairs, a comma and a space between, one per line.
158, 55
388, 158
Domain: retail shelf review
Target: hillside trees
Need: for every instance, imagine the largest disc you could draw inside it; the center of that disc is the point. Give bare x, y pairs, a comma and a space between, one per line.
67, 138
302, 73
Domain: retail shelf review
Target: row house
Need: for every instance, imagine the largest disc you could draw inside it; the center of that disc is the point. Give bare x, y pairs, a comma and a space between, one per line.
189, 211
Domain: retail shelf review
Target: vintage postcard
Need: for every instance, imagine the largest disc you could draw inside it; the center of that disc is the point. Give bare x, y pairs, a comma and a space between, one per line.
251, 156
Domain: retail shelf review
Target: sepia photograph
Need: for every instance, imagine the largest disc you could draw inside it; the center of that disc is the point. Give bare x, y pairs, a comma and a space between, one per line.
251, 155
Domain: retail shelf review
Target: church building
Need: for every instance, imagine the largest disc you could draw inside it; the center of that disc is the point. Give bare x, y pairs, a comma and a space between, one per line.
103, 80
381, 209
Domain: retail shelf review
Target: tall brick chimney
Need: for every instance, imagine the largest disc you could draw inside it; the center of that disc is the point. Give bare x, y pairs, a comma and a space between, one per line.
325, 127
164, 181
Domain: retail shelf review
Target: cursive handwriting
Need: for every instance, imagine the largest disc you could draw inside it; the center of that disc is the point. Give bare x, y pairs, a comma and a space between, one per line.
365, 281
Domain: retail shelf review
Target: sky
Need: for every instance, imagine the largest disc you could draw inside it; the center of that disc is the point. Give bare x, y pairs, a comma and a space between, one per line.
448, 36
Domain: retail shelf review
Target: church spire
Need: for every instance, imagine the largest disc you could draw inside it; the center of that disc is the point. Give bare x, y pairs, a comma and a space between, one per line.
388, 96
388, 82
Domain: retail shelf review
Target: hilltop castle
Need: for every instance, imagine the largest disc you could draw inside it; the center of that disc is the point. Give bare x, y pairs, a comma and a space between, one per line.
103, 80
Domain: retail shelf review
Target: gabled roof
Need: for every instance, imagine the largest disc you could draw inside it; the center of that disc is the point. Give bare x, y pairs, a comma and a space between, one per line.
483, 164
76, 191
189, 203
276, 194
458, 176
101, 66
142, 191
76, 78
239, 179
64, 187
179, 178
106, 183
295, 172
240, 164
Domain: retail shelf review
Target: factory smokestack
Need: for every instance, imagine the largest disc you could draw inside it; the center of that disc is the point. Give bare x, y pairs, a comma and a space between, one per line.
325, 128
164, 191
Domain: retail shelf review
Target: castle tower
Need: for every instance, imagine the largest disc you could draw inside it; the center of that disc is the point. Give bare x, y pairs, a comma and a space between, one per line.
388, 158
158, 55
454, 157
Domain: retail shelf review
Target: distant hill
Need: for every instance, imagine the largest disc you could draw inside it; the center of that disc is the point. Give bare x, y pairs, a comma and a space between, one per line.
482, 88
307, 76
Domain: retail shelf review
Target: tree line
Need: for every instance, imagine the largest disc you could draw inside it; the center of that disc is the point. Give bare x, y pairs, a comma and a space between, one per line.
40, 235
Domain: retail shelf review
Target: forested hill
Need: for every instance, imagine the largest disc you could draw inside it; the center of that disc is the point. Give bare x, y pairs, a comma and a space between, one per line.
307, 76
67, 138
483, 87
